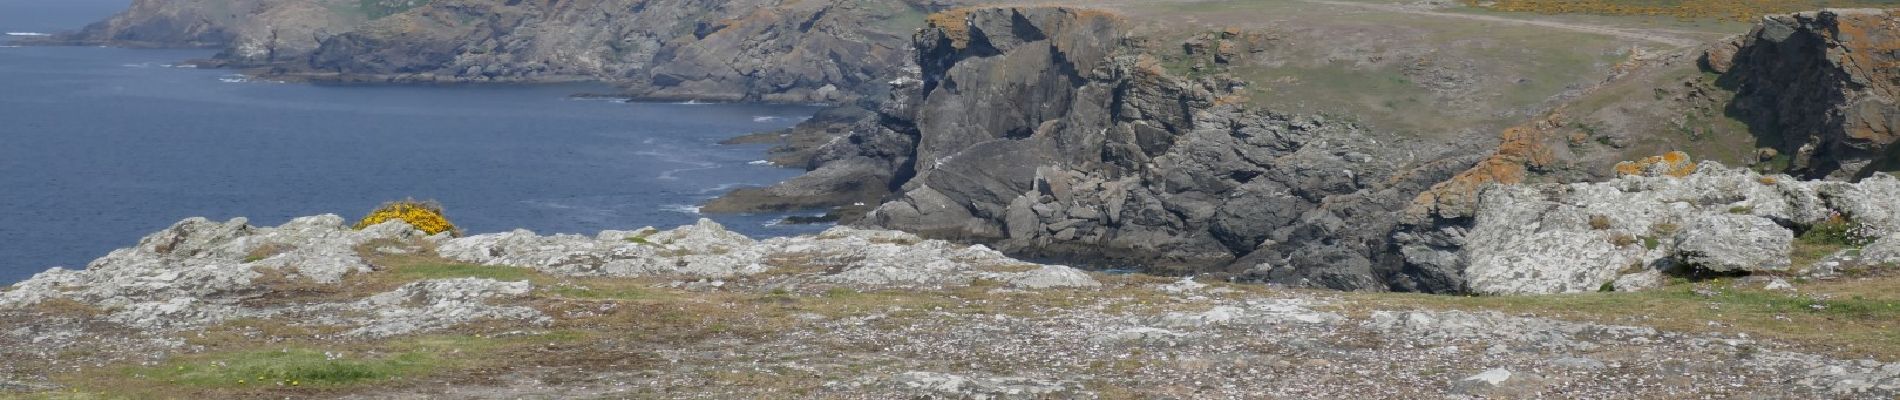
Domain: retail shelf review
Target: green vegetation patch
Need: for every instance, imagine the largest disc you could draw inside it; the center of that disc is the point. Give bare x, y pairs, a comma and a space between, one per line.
377, 9
450, 270
287, 367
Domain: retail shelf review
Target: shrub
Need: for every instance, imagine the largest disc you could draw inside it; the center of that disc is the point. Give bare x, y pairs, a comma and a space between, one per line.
426, 216
1599, 222
1838, 230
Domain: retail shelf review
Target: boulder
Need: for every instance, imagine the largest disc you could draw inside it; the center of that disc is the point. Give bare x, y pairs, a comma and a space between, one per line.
1728, 242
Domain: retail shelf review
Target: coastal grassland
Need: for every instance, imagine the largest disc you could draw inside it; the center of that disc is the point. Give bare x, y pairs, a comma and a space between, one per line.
1421, 74
377, 9
1852, 317
1732, 10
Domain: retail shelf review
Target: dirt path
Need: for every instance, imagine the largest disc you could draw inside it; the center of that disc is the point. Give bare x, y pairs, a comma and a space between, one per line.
1641, 35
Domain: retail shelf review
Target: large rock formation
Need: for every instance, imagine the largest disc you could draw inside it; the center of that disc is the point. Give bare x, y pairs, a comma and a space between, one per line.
1820, 87
1048, 132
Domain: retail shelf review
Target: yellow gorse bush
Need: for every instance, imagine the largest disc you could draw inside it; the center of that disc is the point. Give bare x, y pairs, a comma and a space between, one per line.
425, 216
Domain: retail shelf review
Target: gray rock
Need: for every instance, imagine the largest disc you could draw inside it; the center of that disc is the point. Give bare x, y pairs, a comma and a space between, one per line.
1551, 238
1804, 76
187, 275
1885, 251
442, 303
964, 387
1725, 243
845, 256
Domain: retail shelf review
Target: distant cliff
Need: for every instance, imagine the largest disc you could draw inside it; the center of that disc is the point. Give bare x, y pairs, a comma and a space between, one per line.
753, 50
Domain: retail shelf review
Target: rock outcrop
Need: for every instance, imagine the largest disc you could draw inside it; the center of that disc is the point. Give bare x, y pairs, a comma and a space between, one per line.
1049, 132
199, 272
1626, 233
1820, 88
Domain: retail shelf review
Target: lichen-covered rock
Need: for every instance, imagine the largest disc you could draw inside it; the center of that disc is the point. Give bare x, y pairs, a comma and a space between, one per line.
1823, 81
1884, 251
442, 303
191, 273
1552, 238
1724, 243
851, 257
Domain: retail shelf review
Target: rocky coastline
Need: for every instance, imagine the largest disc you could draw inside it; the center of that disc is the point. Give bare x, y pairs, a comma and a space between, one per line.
969, 140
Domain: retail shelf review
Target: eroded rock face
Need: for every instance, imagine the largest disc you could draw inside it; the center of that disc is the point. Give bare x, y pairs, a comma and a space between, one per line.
1823, 86
1045, 133
1552, 238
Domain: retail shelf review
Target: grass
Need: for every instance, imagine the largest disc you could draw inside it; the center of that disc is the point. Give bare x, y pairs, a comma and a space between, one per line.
377, 9
266, 368
292, 367
1854, 318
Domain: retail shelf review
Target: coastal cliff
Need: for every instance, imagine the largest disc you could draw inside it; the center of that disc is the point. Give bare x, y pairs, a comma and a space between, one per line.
763, 50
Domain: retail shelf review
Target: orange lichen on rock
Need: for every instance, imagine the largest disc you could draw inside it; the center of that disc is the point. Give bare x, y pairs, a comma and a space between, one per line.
1673, 164
1522, 147
955, 25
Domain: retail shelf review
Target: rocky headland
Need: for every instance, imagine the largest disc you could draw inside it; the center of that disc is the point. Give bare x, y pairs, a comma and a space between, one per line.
1675, 215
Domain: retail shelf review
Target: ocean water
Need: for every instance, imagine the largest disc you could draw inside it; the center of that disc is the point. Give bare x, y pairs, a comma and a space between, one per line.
100, 146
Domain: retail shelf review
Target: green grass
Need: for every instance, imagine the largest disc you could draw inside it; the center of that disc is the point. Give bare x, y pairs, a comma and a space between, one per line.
1852, 317
377, 9
297, 366
443, 270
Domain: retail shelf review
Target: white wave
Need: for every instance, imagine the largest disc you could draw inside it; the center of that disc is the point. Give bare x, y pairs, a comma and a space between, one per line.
9, 47
760, 162
681, 208
723, 187
673, 174
765, 118
28, 34
692, 102
234, 79
775, 222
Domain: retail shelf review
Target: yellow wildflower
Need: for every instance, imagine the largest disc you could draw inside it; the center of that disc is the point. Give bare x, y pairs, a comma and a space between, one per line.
426, 216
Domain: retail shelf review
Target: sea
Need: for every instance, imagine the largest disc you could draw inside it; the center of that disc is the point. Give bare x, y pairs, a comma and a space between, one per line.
101, 146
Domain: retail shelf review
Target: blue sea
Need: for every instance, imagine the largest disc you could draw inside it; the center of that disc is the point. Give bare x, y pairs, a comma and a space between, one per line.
100, 146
